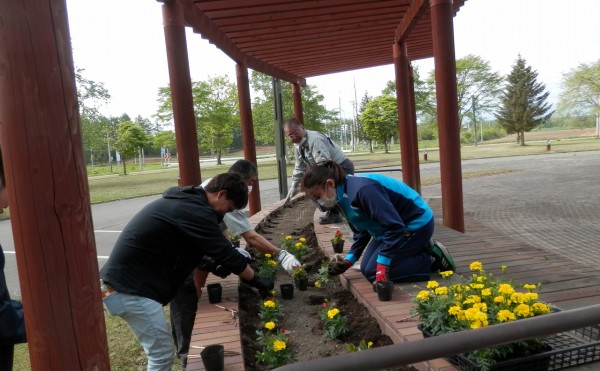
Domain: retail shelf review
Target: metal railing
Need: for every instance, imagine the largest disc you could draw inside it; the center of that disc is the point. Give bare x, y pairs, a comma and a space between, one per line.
454, 343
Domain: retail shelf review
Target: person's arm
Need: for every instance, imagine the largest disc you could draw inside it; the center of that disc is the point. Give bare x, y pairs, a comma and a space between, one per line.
286, 259
321, 149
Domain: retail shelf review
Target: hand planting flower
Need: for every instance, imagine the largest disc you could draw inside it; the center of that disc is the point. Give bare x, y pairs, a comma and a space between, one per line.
483, 300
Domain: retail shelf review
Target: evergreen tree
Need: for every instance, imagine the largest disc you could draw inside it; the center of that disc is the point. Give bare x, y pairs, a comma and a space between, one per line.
523, 103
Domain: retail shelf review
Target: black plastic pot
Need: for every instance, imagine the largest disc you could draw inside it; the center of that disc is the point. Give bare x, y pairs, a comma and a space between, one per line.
213, 357
301, 283
338, 248
384, 290
214, 292
287, 291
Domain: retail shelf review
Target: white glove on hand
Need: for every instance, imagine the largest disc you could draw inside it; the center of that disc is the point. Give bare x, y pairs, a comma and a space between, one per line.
244, 253
287, 260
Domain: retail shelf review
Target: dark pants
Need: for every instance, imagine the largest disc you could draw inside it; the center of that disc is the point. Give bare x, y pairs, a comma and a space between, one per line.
411, 261
183, 314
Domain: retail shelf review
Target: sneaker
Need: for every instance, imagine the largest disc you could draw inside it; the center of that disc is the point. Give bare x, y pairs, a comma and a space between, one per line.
442, 261
330, 218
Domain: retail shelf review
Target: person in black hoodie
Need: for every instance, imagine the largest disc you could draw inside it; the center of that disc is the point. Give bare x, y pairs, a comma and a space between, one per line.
159, 248
12, 323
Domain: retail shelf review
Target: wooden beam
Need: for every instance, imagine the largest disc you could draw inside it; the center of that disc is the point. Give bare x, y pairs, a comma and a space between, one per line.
411, 18
200, 22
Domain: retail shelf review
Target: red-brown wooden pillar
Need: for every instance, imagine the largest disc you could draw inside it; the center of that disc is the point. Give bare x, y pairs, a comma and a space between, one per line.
181, 94
243, 88
413, 118
50, 211
408, 137
447, 114
297, 100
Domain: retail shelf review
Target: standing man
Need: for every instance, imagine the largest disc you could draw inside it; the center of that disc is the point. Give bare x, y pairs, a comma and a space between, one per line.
313, 148
185, 304
160, 247
12, 323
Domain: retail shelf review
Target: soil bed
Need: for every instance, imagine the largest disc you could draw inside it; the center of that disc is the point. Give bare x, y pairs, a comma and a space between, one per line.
300, 314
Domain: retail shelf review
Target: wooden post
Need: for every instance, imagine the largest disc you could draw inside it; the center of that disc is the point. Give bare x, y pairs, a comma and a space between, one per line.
40, 134
297, 102
181, 94
447, 114
408, 137
243, 87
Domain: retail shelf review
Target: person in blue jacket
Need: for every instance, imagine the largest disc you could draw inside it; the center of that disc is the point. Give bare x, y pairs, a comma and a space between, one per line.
12, 323
392, 224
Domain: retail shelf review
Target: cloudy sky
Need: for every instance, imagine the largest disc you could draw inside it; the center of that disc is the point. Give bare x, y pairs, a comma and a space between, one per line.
121, 43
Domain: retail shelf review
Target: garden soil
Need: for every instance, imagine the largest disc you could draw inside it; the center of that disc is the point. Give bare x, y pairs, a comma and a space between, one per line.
301, 314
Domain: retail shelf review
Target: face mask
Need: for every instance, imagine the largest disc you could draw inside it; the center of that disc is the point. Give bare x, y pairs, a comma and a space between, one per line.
249, 189
326, 201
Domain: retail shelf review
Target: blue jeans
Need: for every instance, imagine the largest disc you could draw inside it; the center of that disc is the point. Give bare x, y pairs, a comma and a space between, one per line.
146, 319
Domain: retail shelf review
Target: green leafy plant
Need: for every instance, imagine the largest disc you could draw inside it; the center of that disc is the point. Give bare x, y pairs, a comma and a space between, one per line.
334, 323
323, 278
234, 238
275, 352
363, 345
288, 243
268, 267
270, 310
478, 301
298, 272
299, 249
338, 237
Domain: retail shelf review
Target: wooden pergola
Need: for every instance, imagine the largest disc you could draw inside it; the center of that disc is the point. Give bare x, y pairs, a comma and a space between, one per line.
291, 40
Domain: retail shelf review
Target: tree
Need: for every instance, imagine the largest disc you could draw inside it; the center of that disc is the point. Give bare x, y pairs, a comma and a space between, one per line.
130, 138
165, 139
475, 82
360, 132
380, 119
580, 94
523, 104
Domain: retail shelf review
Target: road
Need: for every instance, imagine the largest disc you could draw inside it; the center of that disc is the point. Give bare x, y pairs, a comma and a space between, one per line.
551, 201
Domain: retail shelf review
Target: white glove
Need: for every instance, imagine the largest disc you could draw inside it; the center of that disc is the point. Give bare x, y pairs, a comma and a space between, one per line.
244, 253
287, 260
292, 192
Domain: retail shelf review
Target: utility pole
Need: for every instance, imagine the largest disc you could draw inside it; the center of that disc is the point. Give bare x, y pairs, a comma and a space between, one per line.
474, 120
109, 156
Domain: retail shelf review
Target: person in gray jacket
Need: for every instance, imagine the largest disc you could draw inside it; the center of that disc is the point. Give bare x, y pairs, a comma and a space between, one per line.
313, 148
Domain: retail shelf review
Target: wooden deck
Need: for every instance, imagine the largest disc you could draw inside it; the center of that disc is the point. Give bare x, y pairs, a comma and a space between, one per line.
565, 284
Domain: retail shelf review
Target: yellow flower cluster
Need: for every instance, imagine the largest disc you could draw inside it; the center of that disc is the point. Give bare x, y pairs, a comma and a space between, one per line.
269, 304
270, 325
332, 313
278, 345
483, 300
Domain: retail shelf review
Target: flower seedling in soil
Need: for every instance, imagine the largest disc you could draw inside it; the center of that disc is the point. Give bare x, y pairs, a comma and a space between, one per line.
334, 323
270, 310
268, 267
323, 278
298, 272
362, 345
479, 301
275, 352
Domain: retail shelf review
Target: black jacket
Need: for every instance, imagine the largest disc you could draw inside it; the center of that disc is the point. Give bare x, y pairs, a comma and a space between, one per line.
164, 242
12, 324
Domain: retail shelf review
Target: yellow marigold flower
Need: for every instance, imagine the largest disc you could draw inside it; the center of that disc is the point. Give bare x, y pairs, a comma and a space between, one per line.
523, 310
518, 297
272, 263
318, 284
446, 274
457, 288
454, 310
531, 296
269, 304
481, 279
287, 238
298, 245
476, 266
505, 316
270, 325
432, 284
529, 286
481, 306
443, 290
486, 292
369, 344
278, 345
499, 299
423, 295
504, 268
505, 289
302, 239
540, 308
477, 286
471, 299
332, 313
268, 256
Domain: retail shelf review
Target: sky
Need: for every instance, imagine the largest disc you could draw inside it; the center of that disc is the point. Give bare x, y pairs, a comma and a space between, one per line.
121, 44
